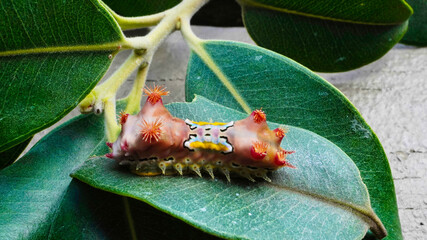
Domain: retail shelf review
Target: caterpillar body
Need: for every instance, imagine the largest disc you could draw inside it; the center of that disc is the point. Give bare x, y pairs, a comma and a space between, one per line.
153, 142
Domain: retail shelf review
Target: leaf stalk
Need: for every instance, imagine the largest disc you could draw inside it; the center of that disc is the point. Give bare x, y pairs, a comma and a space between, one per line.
197, 45
144, 49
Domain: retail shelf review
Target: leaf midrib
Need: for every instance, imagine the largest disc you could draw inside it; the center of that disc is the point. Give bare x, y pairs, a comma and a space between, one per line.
253, 4
112, 46
364, 213
129, 217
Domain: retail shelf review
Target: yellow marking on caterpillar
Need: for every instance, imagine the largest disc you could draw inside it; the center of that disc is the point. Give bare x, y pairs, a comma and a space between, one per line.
209, 145
209, 123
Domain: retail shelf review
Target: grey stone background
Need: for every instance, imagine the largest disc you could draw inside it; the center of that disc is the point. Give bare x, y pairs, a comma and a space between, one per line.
391, 95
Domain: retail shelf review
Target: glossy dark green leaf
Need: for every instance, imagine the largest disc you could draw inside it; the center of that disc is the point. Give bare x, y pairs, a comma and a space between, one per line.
379, 11
10, 155
291, 94
225, 13
131, 8
89, 213
309, 202
39, 200
52, 53
417, 29
327, 36
214, 13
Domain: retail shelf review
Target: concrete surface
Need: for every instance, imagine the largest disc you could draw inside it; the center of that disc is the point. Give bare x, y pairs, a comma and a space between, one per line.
391, 95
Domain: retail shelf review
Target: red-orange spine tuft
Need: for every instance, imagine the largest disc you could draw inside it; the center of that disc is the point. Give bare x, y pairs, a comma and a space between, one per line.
280, 158
259, 150
151, 131
280, 133
259, 116
123, 117
155, 94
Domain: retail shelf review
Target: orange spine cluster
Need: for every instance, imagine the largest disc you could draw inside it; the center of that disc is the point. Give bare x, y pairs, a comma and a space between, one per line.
259, 116
155, 94
259, 150
151, 131
123, 117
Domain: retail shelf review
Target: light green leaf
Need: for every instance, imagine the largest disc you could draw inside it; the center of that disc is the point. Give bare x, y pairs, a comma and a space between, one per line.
131, 8
417, 29
248, 77
327, 36
310, 202
52, 53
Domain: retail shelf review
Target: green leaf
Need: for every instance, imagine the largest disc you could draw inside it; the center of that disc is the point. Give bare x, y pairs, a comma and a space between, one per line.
52, 53
31, 189
309, 202
89, 213
9, 156
214, 13
131, 8
417, 29
223, 13
291, 94
39, 200
327, 36
379, 11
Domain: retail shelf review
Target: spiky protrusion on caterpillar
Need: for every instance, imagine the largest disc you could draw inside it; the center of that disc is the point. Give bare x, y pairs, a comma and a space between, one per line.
151, 131
259, 150
280, 132
155, 94
123, 117
153, 142
259, 116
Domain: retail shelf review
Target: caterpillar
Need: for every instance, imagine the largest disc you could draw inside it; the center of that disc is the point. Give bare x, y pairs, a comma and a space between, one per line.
153, 142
